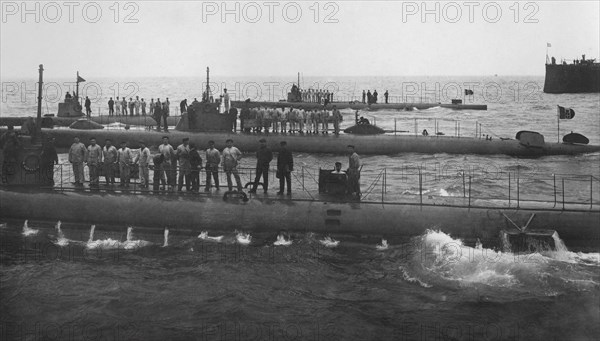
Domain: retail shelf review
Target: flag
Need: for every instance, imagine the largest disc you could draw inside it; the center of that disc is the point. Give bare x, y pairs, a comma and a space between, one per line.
548, 45
79, 79
565, 113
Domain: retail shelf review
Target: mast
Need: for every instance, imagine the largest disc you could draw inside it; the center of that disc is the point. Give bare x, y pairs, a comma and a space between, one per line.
77, 88
207, 84
298, 80
38, 126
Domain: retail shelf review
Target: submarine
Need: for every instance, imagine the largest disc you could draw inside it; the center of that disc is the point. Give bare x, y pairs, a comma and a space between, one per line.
26, 195
204, 121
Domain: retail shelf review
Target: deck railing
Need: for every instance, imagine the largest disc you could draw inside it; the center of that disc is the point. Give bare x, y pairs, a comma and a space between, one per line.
513, 188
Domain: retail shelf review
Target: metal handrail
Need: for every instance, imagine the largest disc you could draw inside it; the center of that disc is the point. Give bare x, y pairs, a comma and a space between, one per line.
509, 186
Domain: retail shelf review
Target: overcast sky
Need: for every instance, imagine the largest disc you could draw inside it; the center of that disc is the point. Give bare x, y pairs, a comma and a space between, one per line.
362, 38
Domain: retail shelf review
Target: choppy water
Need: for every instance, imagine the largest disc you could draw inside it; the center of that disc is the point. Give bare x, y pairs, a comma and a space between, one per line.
62, 287
65, 285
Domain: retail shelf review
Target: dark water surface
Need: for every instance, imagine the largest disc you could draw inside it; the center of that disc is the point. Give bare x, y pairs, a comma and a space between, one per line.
58, 286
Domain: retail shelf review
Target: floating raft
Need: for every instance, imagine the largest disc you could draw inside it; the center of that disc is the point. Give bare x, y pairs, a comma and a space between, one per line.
361, 106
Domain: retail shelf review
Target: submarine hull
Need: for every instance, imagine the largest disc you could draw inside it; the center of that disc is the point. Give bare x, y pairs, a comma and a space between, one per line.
360, 106
373, 145
205, 212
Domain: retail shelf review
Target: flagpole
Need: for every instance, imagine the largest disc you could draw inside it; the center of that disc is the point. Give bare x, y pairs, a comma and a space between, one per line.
558, 123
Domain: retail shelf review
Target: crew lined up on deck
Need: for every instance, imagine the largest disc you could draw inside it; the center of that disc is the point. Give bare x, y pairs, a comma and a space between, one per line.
291, 120
185, 160
316, 96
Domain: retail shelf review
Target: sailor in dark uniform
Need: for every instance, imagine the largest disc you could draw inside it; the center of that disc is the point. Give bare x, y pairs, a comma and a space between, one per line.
88, 106
285, 166
263, 158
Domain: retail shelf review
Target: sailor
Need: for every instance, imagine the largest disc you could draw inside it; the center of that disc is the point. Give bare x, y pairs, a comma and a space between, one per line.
353, 172
325, 121
124, 159
152, 104
386, 94
158, 177
195, 167
88, 106
111, 107
337, 118
183, 106
93, 159
375, 96
231, 158
183, 155
314, 117
317, 120
338, 169
143, 161
165, 114
109, 154
10, 145
260, 118
195, 101
363, 96
137, 105
77, 155
221, 106
48, 158
270, 117
131, 107
226, 100
28, 127
369, 97
233, 114
167, 151
118, 106
285, 165
337, 182
68, 97
301, 120
263, 158
213, 158
157, 113
244, 116
124, 106
290, 117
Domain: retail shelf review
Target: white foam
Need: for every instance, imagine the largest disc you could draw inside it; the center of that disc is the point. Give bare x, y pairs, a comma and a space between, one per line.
204, 236
243, 238
166, 238
382, 246
329, 242
281, 241
27, 231
410, 279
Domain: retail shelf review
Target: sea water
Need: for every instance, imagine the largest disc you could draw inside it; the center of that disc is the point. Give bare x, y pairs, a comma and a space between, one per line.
432, 287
